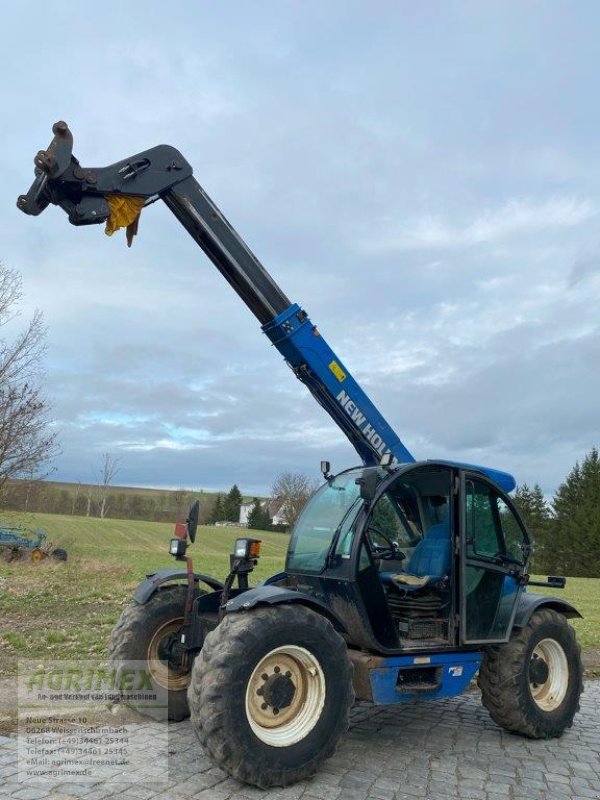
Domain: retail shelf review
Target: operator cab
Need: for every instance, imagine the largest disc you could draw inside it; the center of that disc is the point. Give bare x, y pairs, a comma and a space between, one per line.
409, 535
422, 556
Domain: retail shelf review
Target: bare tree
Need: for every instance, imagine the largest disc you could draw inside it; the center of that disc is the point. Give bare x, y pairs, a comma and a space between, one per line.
88, 499
178, 499
26, 444
294, 489
75, 498
108, 471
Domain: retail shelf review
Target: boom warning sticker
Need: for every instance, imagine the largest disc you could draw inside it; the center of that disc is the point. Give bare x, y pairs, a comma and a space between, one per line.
337, 371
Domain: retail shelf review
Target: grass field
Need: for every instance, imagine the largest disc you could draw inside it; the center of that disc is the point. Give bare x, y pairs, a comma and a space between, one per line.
52, 610
55, 610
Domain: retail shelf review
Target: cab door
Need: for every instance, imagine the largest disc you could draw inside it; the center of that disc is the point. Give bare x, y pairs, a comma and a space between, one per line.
494, 549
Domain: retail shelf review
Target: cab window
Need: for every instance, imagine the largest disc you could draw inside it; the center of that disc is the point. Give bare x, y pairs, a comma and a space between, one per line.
410, 507
390, 517
493, 530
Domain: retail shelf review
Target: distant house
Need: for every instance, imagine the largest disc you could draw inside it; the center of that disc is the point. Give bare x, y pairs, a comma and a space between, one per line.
273, 505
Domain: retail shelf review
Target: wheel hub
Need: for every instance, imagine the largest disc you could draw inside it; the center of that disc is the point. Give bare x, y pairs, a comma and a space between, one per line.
164, 658
538, 670
278, 690
169, 649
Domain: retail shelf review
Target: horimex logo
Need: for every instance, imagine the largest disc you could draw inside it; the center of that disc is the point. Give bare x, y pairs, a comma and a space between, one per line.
363, 425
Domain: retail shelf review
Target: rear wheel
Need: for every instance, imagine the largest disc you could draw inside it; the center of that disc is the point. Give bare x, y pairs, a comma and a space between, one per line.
148, 633
271, 693
532, 684
59, 554
9, 553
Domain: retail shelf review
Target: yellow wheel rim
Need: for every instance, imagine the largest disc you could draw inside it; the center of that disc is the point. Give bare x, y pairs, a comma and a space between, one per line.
36, 554
548, 694
301, 687
163, 674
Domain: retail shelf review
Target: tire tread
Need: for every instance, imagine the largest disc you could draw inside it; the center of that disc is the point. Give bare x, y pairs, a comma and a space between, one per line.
132, 627
506, 696
225, 646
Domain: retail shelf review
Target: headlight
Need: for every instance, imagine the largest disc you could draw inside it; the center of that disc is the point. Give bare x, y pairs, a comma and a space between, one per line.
246, 548
177, 547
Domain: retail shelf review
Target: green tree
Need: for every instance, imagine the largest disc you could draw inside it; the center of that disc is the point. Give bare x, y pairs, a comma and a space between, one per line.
385, 518
536, 514
576, 526
217, 514
231, 505
258, 518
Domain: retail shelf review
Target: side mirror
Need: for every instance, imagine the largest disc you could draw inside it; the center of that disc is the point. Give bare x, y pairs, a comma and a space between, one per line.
387, 459
325, 467
368, 485
557, 581
192, 521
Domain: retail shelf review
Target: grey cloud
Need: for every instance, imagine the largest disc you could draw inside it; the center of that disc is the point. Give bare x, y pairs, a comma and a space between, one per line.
584, 268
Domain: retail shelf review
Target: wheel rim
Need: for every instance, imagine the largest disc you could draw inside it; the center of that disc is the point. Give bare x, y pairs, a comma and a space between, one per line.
548, 674
175, 680
285, 696
36, 554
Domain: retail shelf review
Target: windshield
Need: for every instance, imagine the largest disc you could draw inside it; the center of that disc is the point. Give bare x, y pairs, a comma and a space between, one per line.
319, 521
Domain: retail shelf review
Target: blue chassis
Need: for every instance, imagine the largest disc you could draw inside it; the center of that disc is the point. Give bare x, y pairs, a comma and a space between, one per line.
454, 672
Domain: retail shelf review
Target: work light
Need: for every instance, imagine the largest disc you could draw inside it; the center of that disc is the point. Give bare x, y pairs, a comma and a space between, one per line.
247, 548
177, 547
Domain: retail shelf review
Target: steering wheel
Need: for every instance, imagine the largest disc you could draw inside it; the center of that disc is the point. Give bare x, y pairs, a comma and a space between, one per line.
391, 552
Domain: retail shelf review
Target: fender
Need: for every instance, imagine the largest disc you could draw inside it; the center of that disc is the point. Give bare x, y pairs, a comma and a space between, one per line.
528, 603
153, 580
268, 595
280, 576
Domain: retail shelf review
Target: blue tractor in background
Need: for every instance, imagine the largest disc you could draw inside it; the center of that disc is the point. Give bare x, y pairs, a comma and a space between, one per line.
19, 543
403, 580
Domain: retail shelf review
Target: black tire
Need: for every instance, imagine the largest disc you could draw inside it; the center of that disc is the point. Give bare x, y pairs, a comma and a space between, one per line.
134, 635
59, 554
8, 554
223, 677
508, 675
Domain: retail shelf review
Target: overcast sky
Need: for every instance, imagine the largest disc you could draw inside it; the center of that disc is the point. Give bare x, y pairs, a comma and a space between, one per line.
423, 178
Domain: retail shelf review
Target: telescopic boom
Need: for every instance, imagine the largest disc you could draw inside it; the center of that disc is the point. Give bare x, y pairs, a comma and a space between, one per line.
116, 194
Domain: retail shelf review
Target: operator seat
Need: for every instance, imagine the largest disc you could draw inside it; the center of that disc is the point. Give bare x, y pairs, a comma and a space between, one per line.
429, 562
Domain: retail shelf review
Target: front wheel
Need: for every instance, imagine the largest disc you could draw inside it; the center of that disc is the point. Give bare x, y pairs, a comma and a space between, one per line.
271, 693
531, 685
148, 633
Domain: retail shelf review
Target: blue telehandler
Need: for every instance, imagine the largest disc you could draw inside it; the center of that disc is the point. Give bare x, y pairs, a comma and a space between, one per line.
403, 580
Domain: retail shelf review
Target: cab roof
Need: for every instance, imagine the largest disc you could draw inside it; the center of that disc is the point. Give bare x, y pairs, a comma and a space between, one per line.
504, 480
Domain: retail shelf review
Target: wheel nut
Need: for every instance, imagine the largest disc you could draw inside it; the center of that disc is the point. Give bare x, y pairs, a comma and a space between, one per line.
288, 674
260, 690
276, 711
277, 669
264, 676
264, 706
